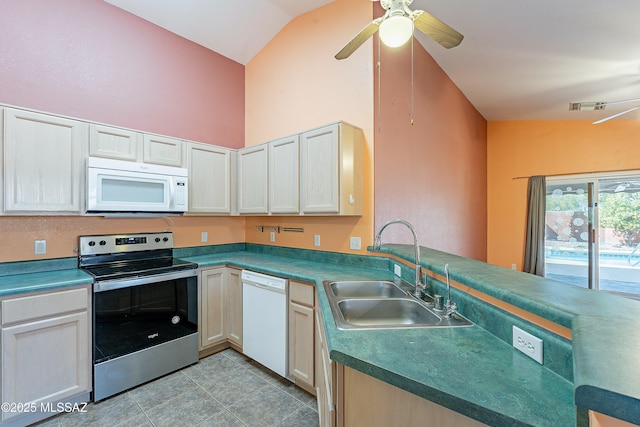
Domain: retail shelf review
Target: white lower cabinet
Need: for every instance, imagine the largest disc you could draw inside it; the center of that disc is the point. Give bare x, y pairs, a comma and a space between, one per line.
301, 334
46, 353
220, 307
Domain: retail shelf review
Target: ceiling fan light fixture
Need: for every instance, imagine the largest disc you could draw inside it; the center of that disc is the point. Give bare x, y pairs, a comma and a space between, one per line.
396, 30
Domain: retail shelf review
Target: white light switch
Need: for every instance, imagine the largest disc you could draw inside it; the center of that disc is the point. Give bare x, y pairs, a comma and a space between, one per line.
316, 240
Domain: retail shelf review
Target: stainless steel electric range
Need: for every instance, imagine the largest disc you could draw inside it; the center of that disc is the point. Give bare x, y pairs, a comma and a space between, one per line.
145, 309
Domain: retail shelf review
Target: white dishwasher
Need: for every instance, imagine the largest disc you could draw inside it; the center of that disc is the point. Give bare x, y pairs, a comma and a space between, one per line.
264, 320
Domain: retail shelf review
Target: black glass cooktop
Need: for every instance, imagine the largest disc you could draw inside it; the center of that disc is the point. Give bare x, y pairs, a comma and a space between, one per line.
138, 268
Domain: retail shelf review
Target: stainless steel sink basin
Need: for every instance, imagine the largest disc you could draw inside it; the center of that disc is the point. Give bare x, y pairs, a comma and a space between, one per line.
382, 304
366, 289
380, 311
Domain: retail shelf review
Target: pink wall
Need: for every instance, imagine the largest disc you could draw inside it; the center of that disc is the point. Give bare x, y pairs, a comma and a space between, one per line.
90, 60
432, 173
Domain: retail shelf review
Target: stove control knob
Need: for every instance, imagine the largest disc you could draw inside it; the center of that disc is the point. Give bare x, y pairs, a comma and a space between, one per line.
157, 240
165, 239
92, 243
102, 243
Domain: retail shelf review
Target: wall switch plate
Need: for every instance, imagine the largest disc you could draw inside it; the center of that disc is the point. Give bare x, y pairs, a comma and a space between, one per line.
355, 243
397, 270
316, 240
204, 237
528, 344
40, 247
272, 236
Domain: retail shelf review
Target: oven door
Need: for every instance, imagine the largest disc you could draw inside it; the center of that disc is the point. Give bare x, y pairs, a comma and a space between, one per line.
131, 315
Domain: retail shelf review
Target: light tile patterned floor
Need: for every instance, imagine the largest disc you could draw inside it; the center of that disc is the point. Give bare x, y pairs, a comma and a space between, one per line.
225, 389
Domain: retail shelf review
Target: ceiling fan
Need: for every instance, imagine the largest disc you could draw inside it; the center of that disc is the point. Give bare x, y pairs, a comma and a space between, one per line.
600, 105
396, 28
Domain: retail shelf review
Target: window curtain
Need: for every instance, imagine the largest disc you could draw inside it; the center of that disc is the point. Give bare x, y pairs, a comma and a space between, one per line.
536, 207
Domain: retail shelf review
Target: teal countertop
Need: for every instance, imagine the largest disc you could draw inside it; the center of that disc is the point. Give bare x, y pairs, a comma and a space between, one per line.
472, 370
35, 276
467, 369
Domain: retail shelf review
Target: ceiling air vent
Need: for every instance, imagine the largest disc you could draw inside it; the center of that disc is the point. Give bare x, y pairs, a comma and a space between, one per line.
586, 106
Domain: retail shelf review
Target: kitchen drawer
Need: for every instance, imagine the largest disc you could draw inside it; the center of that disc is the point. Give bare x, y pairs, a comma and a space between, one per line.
21, 309
301, 293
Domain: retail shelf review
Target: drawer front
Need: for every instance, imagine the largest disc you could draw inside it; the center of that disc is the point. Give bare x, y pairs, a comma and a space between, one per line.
301, 293
15, 310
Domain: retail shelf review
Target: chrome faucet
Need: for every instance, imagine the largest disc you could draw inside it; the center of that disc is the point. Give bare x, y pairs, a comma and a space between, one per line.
450, 307
420, 287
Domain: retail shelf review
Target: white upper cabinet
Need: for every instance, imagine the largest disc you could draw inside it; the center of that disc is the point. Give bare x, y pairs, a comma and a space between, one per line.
114, 143
162, 150
43, 163
253, 179
284, 176
210, 185
331, 170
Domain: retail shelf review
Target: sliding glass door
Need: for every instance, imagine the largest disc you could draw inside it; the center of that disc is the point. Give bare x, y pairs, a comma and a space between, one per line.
592, 232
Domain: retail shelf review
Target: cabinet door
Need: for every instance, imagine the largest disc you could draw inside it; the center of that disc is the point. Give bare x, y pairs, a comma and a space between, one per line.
212, 301
253, 179
301, 332
284, 176
114, 143
43, 163
301, 342
209, 179
161, 150
319, 170
234, 283
46, 360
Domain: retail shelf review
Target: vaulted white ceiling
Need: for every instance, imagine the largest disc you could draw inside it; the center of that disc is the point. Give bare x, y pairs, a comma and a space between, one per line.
519, 60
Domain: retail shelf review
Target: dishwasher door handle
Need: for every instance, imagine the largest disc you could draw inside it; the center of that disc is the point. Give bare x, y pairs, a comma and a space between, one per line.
265, 287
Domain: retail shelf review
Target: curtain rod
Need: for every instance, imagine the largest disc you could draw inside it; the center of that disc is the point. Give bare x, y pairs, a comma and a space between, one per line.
581, 173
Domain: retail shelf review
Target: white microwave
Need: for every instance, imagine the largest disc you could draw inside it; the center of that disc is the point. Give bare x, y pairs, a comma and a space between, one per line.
129, 187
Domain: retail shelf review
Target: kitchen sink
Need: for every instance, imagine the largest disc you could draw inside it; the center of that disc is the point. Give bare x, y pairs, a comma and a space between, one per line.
366, 289
383, 304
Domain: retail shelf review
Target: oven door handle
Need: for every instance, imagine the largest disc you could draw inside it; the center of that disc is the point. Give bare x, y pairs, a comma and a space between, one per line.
110, 285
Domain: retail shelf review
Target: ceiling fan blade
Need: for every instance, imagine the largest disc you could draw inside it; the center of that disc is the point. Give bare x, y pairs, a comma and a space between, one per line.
623, 101
597, 122
360, 38
436, 29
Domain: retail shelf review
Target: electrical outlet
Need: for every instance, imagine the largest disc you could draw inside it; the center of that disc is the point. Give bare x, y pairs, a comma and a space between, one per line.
513, 266
204, 237
355, 243
528, 344
316, 240
272, 236
40, 247
397, 270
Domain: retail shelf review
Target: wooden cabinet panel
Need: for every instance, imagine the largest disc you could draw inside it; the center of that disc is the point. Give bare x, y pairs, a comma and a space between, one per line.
210, 183
212, 301
220, 306
46, 350
162, 150
253, 179
284, 176
43, 163
301, 333
114, 143
235, 305
331, 170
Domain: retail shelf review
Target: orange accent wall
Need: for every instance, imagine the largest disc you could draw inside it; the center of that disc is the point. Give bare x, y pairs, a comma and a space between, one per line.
295, 84
431, 172
526, 148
